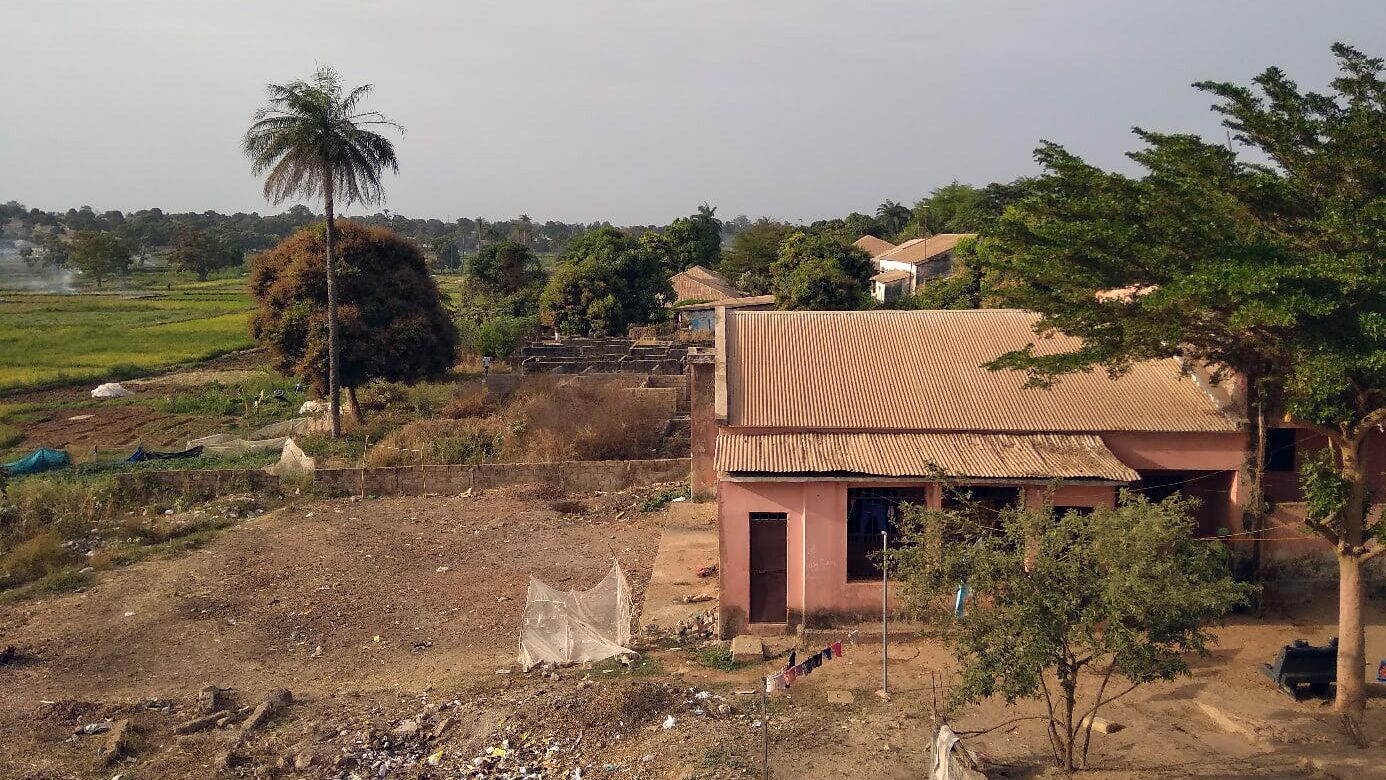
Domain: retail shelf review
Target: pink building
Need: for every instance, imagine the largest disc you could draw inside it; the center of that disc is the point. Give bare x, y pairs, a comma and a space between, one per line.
823, 423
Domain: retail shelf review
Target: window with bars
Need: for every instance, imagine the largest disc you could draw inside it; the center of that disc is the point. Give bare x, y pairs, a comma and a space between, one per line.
869, 512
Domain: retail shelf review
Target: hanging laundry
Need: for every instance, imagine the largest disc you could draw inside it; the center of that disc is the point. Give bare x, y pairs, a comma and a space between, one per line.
827, 653
791, 661
776, 683
837, 649
960, 601
790, 675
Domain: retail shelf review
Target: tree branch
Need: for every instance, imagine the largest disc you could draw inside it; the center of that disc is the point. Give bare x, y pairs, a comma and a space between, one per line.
1375, 552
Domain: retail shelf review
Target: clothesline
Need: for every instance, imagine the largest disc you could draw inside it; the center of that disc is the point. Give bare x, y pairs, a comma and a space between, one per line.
795, 669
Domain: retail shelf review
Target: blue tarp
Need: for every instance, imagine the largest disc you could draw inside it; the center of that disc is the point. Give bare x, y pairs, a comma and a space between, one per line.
141, 454
42, 459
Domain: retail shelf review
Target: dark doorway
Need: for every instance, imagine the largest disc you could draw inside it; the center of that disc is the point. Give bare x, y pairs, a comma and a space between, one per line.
769, 577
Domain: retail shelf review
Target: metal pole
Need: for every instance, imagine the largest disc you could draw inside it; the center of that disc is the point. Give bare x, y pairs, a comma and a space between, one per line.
765, 727
885, 619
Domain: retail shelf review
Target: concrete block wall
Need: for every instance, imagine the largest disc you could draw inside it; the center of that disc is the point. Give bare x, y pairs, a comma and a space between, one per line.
575, 476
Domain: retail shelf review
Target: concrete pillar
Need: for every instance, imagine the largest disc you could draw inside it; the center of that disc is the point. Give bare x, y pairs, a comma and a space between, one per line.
702, 420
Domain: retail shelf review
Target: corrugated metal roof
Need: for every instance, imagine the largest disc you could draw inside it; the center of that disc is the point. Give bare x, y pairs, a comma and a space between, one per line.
979, 455
922, 371
873, 246
732, 303
921, 250
699, 283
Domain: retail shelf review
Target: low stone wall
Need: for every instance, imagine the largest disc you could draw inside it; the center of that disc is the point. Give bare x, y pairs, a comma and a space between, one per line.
577, 476
196, 482
574, 476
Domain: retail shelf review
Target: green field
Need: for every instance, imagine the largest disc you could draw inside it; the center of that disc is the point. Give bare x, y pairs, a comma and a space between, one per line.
50, 339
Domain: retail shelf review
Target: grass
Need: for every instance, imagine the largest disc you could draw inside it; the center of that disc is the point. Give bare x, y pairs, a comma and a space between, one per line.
718, 656
48, 340
663, 498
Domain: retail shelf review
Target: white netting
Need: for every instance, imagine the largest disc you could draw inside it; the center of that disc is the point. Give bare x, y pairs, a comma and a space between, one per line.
576, 626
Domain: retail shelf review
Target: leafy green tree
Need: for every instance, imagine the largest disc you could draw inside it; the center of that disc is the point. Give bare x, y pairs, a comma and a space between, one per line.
753, 250
52, 251
892, 216
822, 273
99, 254
312, 140
447, 254
952, 208
605, 281
199, 252
504, 267
1274, 272
1122, 595
391, 317
695, 240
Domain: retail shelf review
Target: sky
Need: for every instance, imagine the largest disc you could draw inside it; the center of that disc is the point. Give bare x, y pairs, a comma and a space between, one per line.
630, 111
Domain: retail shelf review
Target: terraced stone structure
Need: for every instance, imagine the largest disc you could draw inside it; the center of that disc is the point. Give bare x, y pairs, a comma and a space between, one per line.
603, 356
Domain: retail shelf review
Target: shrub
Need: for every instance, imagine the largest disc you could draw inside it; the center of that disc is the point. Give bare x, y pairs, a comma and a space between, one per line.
66, 507
33, 558
470, 402
582, 420
717, 656
440, 441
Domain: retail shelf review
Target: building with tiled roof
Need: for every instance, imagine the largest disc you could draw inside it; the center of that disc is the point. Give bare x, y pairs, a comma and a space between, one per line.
702, 284
873, 246
919, 259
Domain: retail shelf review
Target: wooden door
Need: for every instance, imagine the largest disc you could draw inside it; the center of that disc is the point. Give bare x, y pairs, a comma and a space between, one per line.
769, 577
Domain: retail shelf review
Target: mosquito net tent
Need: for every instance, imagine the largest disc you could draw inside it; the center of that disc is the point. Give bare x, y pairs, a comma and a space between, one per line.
568, 627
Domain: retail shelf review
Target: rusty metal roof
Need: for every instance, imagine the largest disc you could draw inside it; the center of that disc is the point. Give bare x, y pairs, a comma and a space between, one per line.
978, 455
922, 371
731, 303
699, 283
873, 246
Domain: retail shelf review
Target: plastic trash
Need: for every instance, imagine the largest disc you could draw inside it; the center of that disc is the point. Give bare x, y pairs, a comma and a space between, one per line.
668, 722
110, 390
313, 407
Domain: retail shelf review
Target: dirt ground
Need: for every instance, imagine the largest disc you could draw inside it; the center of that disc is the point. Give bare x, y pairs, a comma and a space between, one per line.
391, 621
70, 419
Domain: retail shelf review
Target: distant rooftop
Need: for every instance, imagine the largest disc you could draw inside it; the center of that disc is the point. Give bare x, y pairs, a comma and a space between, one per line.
922, 250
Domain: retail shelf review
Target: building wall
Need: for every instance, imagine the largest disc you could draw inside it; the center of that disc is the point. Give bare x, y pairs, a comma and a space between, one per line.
818, 591
702, 428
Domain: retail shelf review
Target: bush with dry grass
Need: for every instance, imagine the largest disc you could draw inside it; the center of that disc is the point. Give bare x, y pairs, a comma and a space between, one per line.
545, 419
34, 558
469, 441
558, 419
472, 401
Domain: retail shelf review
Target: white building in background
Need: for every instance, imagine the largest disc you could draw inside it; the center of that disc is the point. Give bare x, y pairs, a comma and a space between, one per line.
905, 268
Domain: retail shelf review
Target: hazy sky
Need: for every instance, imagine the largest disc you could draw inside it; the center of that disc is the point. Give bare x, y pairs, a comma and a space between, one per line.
629, 111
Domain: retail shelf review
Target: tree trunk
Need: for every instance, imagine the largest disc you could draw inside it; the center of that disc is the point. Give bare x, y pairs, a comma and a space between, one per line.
1351, 699
1254, 510
333, 348
355, 405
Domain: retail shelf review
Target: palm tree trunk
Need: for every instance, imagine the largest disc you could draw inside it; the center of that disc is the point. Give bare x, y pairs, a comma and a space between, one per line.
334, 377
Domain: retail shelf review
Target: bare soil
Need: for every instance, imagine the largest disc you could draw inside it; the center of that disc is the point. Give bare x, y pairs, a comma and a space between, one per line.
390, 620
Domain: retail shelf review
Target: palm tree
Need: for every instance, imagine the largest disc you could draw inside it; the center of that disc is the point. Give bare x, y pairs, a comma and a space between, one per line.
892, 215
312, 142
